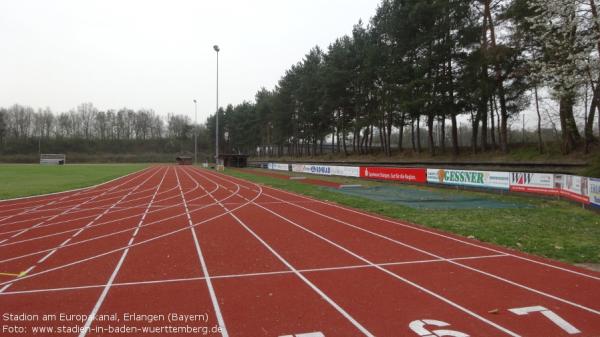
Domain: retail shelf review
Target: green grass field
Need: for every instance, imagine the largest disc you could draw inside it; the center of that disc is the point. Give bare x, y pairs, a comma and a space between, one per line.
20, 180
551, 228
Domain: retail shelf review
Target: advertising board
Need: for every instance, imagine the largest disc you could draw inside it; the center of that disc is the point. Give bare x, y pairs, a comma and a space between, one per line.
487, 179
328, 170
279, 167
298, 168
345, 171
594, 191
539, 183
575, 188
409, 175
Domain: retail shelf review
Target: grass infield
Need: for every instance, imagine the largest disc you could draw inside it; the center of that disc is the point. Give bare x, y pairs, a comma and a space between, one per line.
21, 180
551, 228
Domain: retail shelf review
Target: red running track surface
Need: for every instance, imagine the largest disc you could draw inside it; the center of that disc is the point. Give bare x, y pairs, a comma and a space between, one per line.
178, 251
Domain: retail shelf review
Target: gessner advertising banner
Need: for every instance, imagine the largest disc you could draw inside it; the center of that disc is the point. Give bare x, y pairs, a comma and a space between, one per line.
409, 175
489, 179
539, 183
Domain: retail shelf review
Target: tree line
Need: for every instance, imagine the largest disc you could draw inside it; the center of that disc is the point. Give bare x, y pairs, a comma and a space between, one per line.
409, 78
423, 66
87, 129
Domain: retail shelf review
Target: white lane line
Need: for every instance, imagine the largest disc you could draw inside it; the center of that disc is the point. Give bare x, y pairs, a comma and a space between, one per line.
4, 288
502, 279
111, 280
46, 256
122, 248
247, 275
83, 189
29, 210
386, 271
85, 192
77, 209
64, 212
36, 209
211, 290
105, 192
69, 239
499, 278
316, 289
96, 225
114, 233
412, 227
70, 194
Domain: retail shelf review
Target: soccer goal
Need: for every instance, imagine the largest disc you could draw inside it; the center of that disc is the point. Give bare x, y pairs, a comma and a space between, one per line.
53, 159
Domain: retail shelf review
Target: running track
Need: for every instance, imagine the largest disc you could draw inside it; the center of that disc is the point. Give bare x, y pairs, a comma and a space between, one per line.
249, 260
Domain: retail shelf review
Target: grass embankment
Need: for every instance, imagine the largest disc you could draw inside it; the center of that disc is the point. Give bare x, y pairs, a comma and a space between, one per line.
550, 228
20, 180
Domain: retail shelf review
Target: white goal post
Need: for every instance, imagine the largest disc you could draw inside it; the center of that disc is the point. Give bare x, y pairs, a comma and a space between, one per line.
53, 159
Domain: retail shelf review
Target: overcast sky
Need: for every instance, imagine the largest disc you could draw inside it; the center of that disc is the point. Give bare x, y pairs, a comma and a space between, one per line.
159, 54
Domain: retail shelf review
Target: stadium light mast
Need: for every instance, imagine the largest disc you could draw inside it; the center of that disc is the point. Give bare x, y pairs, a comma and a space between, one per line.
195, 132
217, 49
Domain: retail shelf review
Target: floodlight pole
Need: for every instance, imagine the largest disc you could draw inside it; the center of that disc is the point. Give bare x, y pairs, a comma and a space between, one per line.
217, 49
195, 132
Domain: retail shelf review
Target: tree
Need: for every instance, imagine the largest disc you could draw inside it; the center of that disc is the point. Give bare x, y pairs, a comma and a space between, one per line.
3, 126
566, 46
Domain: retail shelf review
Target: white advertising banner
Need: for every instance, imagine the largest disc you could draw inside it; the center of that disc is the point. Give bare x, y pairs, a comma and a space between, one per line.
318, 169
575, 188
298, 168
594, 191
279, 167
541, 183
346, 171
489, 179
328, 170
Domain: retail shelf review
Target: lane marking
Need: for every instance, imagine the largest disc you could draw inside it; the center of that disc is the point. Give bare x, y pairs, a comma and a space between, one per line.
70, 194
26, 271
549, 314
98, 304
83, 189
95, 237
418, 327
66, 241
388, 272
93, 226
133, 245
209, 284
539, 292
106, 192
77, 209
309, 334
35, 210
412, 227
20, 232
247, 275
513, 283
324, 296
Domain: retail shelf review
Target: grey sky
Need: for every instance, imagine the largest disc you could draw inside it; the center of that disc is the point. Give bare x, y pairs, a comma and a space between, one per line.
158, 54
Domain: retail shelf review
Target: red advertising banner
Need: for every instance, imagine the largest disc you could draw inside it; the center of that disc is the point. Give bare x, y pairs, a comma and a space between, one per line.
539, 183
409, 175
